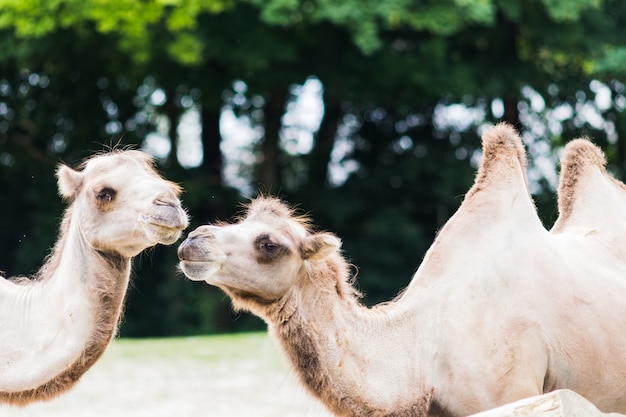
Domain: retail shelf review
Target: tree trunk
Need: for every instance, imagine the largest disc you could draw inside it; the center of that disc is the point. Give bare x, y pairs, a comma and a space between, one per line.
268, 174
173, 112
511, 112
211, 140
319, 159
510, 57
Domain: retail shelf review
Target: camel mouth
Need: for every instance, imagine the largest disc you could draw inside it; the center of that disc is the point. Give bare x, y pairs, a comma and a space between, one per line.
171, 216
160, 233
165, 222
200, 270
167, 236
199, 260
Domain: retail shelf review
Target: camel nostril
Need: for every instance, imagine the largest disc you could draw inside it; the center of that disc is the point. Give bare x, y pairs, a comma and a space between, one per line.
191, 249
168, 212
203, 231
181, 252
167, 202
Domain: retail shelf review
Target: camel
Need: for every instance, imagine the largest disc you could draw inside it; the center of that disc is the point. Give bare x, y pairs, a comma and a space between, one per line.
56, 325
500, 308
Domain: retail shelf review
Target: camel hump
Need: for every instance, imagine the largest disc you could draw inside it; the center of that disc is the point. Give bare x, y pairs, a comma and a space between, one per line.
590, 201
500, 198
502, 140
578, 157
580, 153
504, 160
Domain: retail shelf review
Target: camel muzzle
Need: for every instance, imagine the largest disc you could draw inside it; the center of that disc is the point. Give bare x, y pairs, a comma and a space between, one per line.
170, 215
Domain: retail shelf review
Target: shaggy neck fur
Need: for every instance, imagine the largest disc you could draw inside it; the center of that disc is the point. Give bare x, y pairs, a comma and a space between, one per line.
318, 324
72, 271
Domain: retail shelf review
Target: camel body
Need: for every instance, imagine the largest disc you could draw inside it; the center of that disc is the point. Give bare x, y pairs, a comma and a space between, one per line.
540, 323
55, 326
500, 309
521, 310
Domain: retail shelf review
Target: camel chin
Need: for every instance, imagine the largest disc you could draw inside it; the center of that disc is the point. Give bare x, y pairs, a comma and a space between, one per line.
201, 270
151, 235
161, 234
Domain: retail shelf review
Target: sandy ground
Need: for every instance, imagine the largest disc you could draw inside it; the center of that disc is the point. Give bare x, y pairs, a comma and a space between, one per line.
206, 376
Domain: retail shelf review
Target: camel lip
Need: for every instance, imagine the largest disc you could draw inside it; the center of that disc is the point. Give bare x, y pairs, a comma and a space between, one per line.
177, 226
200, 270
189, 251
159, 233
170, 236
167, 216
194, 249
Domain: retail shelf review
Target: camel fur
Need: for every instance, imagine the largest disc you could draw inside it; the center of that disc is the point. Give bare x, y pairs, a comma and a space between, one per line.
500, 308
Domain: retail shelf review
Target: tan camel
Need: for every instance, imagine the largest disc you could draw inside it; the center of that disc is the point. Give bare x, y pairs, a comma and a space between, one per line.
499, 310
55, 326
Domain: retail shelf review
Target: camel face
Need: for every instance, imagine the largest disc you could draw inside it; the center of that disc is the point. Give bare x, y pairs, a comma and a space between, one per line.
122, 204
260, 257
243, 259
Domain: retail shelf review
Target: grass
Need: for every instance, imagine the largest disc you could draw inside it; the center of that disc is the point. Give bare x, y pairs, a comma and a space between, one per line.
210, 376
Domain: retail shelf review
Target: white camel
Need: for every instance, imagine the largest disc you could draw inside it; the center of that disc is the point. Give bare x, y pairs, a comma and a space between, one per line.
499, 310
55, 326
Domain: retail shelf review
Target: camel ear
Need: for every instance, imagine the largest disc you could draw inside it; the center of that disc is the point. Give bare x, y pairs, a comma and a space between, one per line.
69, 181
320, 245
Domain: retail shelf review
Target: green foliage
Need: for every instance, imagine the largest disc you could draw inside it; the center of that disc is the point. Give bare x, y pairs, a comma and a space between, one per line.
186, 48
366, 20
77, 76
567, 10
132, 21
613, 61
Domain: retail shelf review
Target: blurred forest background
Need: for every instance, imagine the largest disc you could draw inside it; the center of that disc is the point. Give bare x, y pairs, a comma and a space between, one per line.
365, 113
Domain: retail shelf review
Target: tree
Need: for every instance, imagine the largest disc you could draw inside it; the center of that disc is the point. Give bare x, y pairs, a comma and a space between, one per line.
395, 75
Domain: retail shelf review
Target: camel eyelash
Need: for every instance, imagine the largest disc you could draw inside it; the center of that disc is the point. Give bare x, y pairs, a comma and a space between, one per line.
105, 195
268, 249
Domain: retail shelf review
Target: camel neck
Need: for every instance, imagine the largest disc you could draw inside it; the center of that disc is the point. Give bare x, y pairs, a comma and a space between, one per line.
339, 348
61, 321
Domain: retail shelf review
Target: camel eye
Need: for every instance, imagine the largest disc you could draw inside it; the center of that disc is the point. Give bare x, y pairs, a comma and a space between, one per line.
269, 247
105, 195
268, 251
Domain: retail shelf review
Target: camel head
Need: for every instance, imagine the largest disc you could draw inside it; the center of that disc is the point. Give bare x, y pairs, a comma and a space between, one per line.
121, 203
258, 258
